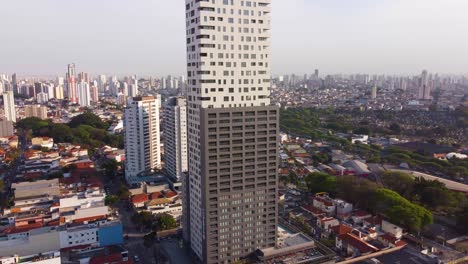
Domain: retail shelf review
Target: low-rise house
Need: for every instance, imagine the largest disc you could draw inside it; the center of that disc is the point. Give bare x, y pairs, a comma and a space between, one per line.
325, 204
44, 142
359, 216
326, 223
391, 241
392, 229
353, 245
139, 200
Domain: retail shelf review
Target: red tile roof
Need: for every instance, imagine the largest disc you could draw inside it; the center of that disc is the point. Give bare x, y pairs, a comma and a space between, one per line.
360, 213
313, 210
21, 229
357, 243
155, 195
170, 194
139, 198
341, 229
324, 201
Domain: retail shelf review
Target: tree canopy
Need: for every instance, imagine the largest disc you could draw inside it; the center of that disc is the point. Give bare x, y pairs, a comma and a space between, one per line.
165, 222
86, 129
368, 195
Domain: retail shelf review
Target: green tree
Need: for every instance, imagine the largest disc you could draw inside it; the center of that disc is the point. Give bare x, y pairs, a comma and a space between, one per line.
356, 190
165, 222
143, 219
400, 210
395, 128
462, 219
88, 118
400, 182
111, 200
123, 193
110, 167
321, 182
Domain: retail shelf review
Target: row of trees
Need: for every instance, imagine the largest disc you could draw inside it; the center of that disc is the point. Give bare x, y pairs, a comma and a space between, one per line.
370, 196
455, 168
86, 129
429, 193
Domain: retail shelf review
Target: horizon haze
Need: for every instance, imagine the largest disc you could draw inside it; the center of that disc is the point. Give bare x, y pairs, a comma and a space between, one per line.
147, 37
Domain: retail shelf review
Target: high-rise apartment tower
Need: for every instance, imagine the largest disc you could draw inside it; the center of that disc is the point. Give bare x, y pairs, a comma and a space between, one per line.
72, 91
232, 130
142, 137
9, 106
175, 136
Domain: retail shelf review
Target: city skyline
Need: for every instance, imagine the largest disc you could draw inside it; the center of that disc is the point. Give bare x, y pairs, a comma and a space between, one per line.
391, 37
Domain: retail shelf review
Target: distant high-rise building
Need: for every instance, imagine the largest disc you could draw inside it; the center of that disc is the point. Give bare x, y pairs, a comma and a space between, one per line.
94, 93
42, 98
58, 92
232, 131
403, 84
83, 77
424, 87
60, 81
9, 106
38, 88
14, 83
374, 92
142, 137
316, 74
102, 83
39, 111
84, 94
6, 128
72, 92
121, 99
175, 136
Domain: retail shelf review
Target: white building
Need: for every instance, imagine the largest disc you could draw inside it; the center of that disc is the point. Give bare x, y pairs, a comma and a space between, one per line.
58, 92
142, 137
42, 98
9, 106
84, 94
175, 136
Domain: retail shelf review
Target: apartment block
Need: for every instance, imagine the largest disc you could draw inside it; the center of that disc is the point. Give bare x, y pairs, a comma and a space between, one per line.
175, 137
142, 137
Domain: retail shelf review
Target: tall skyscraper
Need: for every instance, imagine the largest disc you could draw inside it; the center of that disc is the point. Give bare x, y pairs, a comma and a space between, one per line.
58, 92
14, 83
374, 92
175, 136
232, 130
42, 98
94, 90
72, 92
142, 137
9, 106
84, 94
424, 86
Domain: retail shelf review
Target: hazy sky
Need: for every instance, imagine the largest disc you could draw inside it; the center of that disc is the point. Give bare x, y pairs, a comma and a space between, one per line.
145, 37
